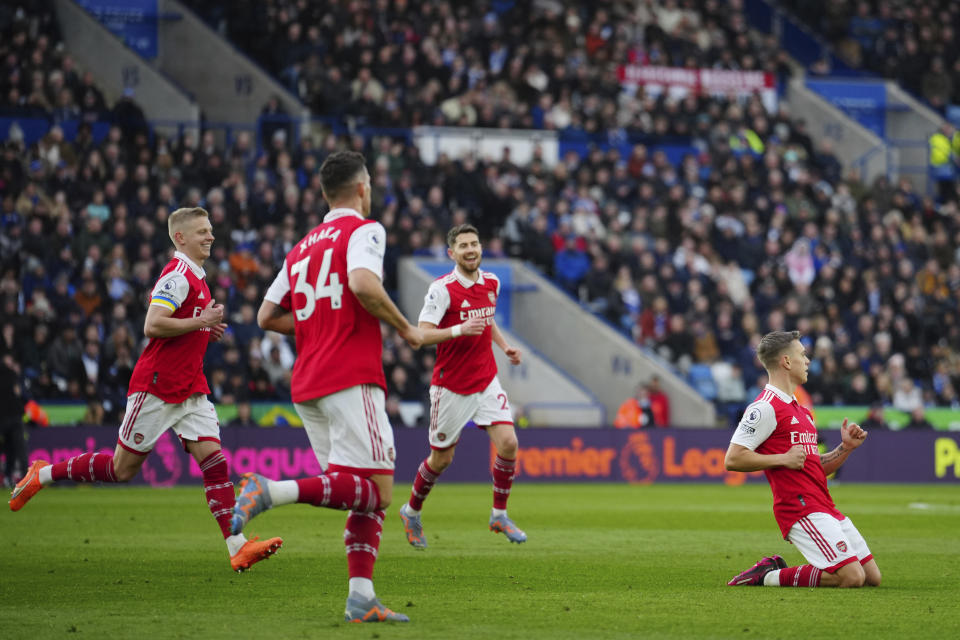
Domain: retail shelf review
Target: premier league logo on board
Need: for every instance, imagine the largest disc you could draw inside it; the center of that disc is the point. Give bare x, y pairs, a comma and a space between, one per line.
638, 462
164, 468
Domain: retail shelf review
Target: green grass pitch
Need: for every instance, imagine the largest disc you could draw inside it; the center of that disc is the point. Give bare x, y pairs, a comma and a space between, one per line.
604, 561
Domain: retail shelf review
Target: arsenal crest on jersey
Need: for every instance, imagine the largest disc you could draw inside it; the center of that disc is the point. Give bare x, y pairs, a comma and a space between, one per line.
138, 438
492, 296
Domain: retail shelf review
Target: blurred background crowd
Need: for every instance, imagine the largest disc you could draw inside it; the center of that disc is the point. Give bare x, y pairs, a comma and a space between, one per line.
756, 229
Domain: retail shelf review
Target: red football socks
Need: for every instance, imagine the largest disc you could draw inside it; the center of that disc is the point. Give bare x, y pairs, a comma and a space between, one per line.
503, 471
422, 484
362, 539
218, 489
802, 576
87, 467
340, 491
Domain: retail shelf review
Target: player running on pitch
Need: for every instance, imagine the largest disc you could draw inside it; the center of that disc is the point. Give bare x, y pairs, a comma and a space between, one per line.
779, 436
458, 315
329, 293
168, 391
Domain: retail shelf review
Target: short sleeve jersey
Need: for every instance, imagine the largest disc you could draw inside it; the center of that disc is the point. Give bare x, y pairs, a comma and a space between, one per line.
172, 368
771, 425
338, 341
464, 365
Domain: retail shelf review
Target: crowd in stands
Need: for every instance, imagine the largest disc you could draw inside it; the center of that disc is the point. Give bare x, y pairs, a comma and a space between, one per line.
39, 79
757, 229
508, 64
914, 43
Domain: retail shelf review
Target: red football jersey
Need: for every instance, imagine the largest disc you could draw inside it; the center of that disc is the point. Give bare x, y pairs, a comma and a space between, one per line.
771, 425
464, 365
338, 341
172, 368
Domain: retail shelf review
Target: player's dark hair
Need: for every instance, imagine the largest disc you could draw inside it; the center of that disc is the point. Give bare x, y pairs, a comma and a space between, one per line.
773, 345
339, 171
457, 230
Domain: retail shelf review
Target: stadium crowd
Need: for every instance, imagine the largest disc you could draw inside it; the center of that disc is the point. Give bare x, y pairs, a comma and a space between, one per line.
507, 64
913, 43
757, 229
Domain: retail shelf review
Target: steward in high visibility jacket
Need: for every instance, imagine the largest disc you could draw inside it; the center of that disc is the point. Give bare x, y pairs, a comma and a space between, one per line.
944, 147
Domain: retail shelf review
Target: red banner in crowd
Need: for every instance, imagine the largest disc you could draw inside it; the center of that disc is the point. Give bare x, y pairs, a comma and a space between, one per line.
699, 80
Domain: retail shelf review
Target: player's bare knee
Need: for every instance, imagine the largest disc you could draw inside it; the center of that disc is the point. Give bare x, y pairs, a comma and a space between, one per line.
125, 474
508, 448
440, 459
873, 579
852, 578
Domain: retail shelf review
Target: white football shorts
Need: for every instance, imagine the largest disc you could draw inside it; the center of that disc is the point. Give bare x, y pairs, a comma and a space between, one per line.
828, 543
450, 412
147, 417
349, 431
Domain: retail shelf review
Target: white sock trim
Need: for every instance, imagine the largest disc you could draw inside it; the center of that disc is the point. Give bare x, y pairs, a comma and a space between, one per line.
284, 492
45, 475
235, 543
772, 579
362, 587
498, 512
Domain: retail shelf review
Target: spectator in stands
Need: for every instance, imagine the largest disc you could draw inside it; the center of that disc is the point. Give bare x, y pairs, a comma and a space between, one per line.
659, 402
11, 422
918, 420
874, 419
636, 411
244, 417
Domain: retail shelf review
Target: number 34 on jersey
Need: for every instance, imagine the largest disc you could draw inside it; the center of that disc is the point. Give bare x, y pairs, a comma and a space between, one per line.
327, 285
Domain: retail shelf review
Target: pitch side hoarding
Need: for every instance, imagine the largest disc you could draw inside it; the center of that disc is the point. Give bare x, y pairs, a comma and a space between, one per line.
546, 455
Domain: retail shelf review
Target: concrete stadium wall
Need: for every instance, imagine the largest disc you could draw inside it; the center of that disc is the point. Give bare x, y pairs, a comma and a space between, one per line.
604, 361
547, 396
228, 85
117, 67
909, 125
855, 145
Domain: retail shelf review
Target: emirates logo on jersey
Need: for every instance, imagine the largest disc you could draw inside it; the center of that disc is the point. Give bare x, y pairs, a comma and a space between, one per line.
492, 296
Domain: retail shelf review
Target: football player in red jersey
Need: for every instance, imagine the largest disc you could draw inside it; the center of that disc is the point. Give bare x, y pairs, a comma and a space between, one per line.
778, 435
168, 391
330, 295
458, 316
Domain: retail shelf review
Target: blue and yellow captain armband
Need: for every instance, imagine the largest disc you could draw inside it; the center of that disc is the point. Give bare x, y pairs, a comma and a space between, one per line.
164, 302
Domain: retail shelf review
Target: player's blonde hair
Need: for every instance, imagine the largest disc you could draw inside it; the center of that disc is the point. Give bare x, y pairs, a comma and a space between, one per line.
178, 218
773, 345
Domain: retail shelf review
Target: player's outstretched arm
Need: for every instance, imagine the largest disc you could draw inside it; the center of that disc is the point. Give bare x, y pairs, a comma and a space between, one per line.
273, 317
160, 323
851, 437
368, 288
433, 335
513, 353
739, 458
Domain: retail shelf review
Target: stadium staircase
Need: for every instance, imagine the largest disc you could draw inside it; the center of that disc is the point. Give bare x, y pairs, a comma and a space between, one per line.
196, 71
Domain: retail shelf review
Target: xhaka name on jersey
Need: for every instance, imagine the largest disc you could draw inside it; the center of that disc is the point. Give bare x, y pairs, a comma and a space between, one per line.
327, 233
